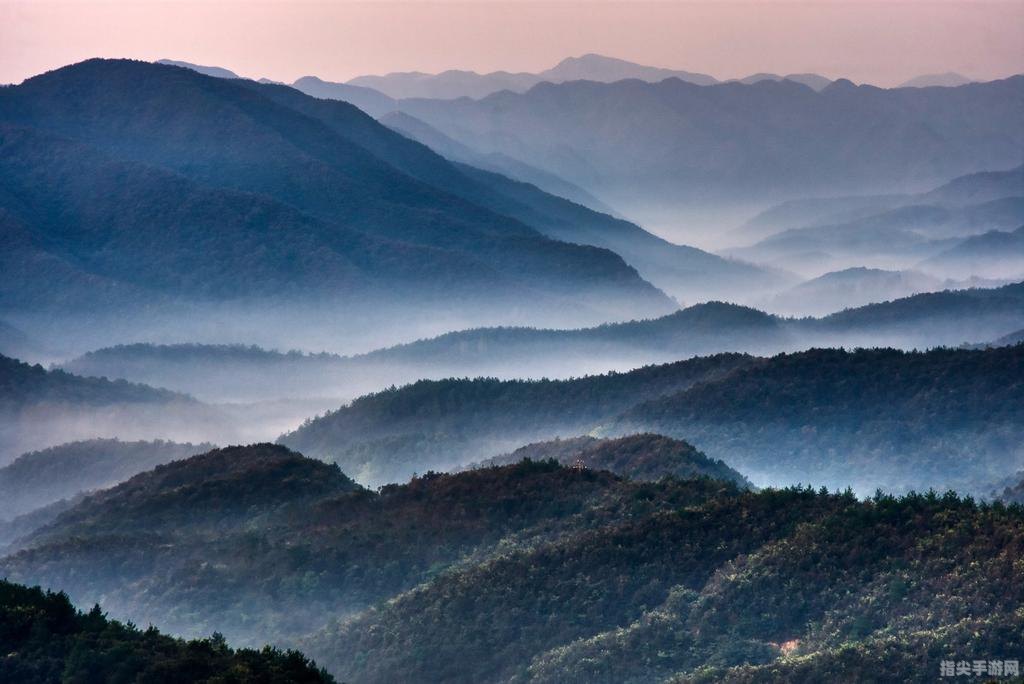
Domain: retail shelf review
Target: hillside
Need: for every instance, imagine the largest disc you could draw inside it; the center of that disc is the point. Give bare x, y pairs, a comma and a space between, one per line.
995, 254
47, 640
537, 571
787, 585
219, 489
902, 236
971, 189
40, 478
867, 418
441, 424
224, 151
870, 418
262, 544
927, 319
637, 457
369, 100
414, 129
849, 288
42, 408
22, 384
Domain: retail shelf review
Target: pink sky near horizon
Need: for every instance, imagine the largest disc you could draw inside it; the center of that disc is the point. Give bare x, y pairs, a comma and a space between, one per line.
876, 42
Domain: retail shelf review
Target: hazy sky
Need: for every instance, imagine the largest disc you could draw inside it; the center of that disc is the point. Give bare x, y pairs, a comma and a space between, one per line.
877, 42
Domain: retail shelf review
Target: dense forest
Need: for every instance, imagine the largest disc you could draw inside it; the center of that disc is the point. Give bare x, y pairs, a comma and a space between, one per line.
790, 585
47, 641
863, 418
534, 571
871, 418
260, 542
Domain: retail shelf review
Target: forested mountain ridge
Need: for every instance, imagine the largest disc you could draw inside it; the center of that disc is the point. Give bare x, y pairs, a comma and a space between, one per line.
866, 418
789, 584
46, 640
440, 424
41, 408
872, 418
642, 457
22, 384
352, 213
239, 372
234, 483
183, 543
533, 571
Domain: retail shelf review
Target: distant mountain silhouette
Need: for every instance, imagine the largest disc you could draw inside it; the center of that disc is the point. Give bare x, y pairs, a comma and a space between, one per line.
995, 254
246, 373
848, 288
374, 103
445, 85
812, 81
668, 148
975, 188
594, 67
411, 127
815, 234
455, 84
41, 408
949, 79
215, 71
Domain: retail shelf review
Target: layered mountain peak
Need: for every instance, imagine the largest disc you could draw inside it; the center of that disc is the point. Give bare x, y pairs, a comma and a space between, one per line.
312, 199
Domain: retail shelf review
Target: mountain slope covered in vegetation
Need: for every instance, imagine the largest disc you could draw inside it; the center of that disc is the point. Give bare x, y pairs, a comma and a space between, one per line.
866, 418
46, 641
787, 585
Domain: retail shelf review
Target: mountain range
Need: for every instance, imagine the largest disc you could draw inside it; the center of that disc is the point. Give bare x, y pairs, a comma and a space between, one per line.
367, 213
668, 148
812, 236
456, 84
532, 571
868, 418
237, 373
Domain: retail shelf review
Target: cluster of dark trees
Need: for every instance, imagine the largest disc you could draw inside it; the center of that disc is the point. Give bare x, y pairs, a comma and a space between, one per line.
46, 640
